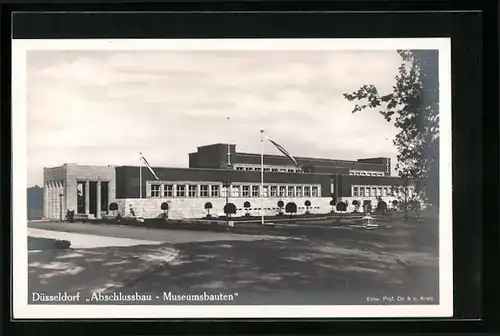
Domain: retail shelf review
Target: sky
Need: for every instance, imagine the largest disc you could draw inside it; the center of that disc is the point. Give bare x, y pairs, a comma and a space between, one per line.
105, 107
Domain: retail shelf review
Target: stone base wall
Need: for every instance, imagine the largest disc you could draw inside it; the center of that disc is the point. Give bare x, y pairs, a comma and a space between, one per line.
195, 207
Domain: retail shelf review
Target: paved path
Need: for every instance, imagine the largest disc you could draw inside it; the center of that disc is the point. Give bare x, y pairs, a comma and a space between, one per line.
107, 257
340, 262
158, 235
81, 241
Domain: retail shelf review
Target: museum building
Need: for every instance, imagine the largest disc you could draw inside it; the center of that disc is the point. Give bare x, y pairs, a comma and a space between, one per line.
218, 174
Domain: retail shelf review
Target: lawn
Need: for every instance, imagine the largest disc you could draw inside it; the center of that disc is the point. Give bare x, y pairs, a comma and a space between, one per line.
342, 262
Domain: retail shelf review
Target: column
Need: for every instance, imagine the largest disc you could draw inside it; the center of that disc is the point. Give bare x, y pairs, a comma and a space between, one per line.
52, 203
98, 205
58, 200
49, 199
46, 200
87, 197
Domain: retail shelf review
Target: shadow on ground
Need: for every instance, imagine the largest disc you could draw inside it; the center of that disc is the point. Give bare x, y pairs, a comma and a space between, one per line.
393, 260
39, 244
86, 270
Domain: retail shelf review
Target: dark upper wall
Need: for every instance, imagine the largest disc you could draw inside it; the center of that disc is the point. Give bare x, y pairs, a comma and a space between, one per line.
215, 157
247, 158
385, 162
346, 181
211, 156
127, 178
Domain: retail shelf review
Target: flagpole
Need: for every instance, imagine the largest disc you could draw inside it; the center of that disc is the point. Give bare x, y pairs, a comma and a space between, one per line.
262, 176
140, 175
228, 145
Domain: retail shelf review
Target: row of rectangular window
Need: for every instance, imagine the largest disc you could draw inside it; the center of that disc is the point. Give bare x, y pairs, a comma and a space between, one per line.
274, 170
206, 190
376, 191
366, 174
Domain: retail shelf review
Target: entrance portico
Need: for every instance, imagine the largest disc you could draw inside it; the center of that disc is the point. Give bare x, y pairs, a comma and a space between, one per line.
86, 190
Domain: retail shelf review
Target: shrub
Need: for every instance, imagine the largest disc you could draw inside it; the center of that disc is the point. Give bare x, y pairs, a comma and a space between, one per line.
291, 208
70, 216
341, 206
355, 203
62, 244
113, 206
164, 206
281, 204
247, 204
229, 209
381, 206
207, 207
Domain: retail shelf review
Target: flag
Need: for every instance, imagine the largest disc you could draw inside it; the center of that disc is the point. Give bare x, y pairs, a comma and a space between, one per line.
149, 167
284, 151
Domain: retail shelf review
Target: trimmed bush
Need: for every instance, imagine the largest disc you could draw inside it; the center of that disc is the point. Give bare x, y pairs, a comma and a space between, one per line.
207, 207
341, 206
229, 209
291, 208
381, 206
70, 216
62, 244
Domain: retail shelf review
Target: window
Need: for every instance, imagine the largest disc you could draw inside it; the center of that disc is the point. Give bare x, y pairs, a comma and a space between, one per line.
374, 191
257, 169
307, 191
267, 169
355, 192
274, 191
168, 190
255, 191
274, 169
181, 190
291, 192
215, 190
266, 191
192, 191
298, 191
385, 193
155, 190
314, 192
239, 168
291, 170
282, 191
235, 191
248, 168
246, 191
204, 190
368, 192
379, 191
282, 170
361, 192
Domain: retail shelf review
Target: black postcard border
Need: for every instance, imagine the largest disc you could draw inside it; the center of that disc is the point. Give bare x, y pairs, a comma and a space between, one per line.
475, 140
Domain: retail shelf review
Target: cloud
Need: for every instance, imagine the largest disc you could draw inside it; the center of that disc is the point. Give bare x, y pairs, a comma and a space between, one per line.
104, 107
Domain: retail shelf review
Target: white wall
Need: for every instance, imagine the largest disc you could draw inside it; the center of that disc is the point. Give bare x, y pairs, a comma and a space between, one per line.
195, 207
